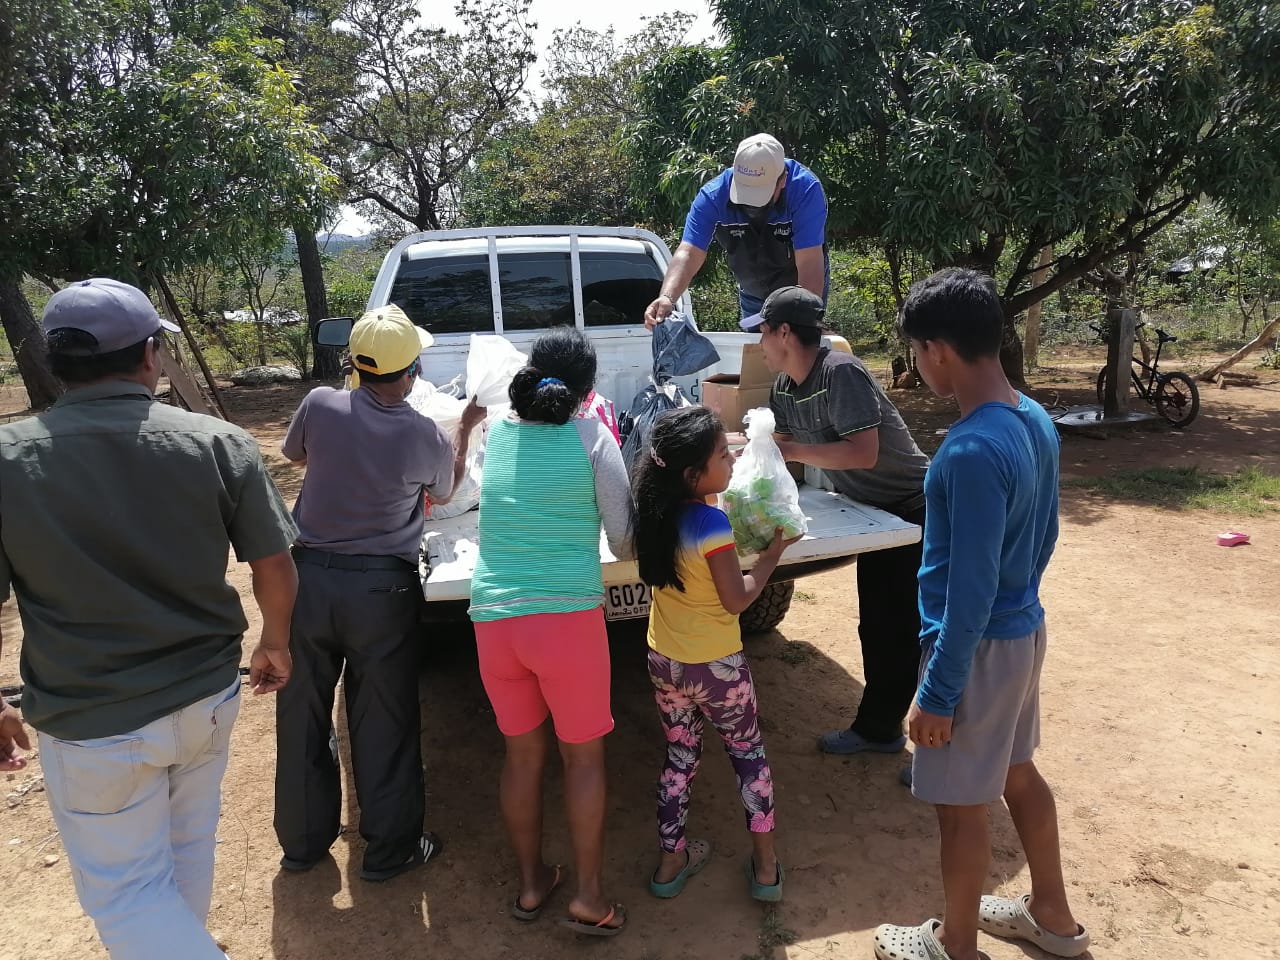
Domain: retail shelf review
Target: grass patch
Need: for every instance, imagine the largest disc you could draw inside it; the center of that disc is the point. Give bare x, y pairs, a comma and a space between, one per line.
1250, 491
795, 653
772, 935
805, 596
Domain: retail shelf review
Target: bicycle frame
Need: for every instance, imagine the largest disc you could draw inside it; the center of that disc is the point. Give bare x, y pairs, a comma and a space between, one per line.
1146, 390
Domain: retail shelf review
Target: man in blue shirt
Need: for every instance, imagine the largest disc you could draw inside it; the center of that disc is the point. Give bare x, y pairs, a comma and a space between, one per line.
991, 520
770, 215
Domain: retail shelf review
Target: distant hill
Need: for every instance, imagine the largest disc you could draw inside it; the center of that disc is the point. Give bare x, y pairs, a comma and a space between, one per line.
337, 242
330, 243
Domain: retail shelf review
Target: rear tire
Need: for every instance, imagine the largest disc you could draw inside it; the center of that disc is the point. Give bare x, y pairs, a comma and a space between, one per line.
769, 608
1102, 386
1177, 399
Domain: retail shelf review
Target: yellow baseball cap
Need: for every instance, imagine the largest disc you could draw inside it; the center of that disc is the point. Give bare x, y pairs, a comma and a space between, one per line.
385, 340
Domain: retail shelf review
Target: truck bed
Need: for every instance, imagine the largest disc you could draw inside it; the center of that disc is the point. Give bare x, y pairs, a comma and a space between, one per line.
838, 527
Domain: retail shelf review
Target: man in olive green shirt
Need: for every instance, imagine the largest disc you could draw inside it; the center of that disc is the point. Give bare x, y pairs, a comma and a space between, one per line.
116, 517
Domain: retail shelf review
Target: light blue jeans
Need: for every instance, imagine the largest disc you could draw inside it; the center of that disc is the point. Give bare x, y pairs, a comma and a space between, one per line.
138, 814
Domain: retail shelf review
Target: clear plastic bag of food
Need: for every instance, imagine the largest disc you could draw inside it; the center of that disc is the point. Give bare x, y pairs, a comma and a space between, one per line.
762, 495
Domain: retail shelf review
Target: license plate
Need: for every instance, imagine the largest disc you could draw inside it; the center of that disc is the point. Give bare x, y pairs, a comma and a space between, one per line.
626, 601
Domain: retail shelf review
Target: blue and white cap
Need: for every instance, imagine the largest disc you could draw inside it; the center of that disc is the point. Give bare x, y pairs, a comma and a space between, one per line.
757, 165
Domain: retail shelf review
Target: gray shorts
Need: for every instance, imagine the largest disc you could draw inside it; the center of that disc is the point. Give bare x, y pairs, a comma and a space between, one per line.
997, 724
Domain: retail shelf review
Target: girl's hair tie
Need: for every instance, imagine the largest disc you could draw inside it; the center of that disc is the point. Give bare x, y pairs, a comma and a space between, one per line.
547, 381
653, 455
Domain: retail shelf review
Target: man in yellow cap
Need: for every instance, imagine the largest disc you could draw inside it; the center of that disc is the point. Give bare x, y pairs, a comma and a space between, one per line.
369, 458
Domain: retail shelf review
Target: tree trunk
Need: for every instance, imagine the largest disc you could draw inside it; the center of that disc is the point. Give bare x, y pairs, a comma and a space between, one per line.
324, 363
27, 342
1011, 352
1120, 326
1270, 329
1031, 341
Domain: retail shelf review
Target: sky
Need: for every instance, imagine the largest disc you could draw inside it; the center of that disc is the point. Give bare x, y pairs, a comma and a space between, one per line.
551, 15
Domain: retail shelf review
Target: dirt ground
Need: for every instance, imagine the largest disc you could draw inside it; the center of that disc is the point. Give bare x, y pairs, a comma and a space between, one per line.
1161, 717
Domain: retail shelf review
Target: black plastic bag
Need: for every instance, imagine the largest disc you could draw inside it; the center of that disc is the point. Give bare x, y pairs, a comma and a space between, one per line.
650, 404
680, 350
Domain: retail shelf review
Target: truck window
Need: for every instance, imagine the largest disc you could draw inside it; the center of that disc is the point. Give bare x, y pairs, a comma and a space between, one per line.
446, 294
616, 287
536, 291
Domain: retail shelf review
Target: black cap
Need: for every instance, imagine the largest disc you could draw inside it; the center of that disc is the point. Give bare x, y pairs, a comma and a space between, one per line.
791, 305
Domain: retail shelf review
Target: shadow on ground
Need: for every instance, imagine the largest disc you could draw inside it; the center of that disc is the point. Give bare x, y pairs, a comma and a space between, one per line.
859, 849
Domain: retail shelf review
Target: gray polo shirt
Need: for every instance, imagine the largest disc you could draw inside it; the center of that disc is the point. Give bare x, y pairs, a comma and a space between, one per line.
116, 516
840, 397
367, 465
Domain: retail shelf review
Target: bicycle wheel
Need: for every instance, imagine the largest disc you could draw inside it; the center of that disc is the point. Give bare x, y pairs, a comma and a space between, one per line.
1102, 385
1177, 399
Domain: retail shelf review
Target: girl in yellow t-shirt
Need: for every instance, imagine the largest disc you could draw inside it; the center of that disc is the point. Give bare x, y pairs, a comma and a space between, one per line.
686, 553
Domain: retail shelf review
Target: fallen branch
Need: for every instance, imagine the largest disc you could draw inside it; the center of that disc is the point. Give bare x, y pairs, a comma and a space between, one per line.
1270, 330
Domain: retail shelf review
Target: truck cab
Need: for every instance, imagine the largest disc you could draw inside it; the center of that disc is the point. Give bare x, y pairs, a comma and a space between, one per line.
520, 281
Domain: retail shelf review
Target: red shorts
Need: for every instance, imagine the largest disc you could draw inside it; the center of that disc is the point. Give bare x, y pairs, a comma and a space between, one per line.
542, 663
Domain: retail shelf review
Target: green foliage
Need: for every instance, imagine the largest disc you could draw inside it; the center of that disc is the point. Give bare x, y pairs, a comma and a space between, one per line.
350, 275
428, 102
1249, 492
962, 130
293, 342
143, 139
566, 164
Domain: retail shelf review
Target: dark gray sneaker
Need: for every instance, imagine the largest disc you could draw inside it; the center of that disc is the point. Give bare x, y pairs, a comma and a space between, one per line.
428, 847
846, 741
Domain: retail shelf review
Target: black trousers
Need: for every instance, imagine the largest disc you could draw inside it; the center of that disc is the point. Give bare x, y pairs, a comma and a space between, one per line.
368, 621
889, 630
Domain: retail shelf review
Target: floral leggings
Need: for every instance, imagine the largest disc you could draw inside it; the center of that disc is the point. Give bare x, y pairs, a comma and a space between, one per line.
722, 692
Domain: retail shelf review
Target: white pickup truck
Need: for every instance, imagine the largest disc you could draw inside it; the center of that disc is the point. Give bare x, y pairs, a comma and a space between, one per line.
518, 282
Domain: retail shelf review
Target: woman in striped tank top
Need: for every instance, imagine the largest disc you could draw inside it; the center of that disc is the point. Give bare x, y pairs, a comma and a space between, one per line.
550, 481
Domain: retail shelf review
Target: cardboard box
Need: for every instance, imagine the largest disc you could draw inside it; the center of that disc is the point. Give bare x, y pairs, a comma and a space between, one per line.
724, 394
753, 372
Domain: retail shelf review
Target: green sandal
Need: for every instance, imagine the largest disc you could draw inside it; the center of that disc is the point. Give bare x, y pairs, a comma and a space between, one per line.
699, 852
764, 892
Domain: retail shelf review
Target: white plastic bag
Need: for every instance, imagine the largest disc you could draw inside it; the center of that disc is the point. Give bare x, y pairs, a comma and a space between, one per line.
432, 402
492, 362
762, 495
446, 411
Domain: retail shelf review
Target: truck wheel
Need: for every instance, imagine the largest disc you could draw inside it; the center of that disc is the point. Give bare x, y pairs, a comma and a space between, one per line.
769, 609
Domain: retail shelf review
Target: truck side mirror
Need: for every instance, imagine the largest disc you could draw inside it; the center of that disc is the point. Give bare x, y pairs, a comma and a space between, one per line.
334, 331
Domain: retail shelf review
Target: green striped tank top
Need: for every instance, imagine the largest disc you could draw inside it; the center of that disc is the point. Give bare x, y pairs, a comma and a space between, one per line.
539, 524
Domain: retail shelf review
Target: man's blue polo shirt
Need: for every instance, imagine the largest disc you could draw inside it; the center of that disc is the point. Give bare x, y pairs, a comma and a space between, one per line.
761, 255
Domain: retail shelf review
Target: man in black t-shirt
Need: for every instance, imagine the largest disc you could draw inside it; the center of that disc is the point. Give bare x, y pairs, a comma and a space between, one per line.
832, 414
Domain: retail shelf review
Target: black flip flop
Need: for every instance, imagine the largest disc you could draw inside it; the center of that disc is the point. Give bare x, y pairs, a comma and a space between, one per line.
530, 915
600, 928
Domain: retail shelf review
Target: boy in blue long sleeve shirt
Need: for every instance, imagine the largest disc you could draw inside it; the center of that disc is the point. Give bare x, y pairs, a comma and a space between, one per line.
991, 522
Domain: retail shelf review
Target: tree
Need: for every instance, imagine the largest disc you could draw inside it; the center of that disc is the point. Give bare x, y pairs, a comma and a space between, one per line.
965, 130
325, 58
567, 163
261, 275
139, 139
429, 101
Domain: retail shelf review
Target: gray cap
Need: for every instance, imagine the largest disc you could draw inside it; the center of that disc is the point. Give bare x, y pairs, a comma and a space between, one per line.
115, 314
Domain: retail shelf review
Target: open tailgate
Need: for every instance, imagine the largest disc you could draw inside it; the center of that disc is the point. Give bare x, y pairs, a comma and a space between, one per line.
838, 527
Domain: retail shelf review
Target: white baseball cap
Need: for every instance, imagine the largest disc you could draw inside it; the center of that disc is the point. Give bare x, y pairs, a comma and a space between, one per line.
757, 165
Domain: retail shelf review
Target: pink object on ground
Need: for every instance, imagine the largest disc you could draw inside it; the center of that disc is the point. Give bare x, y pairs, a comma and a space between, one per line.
1232, 539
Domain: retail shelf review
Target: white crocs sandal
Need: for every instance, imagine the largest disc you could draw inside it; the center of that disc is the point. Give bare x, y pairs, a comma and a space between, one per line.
1010, 919
910, 943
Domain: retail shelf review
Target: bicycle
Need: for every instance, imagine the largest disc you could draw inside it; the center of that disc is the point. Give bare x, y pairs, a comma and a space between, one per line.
1173, 394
